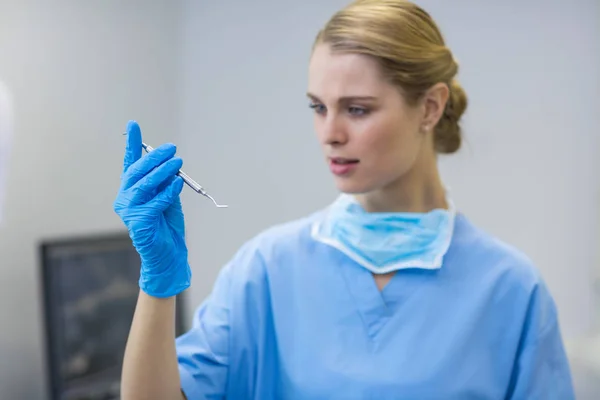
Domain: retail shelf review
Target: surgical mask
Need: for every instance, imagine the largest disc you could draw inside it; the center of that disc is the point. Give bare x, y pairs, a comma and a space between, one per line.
386, 242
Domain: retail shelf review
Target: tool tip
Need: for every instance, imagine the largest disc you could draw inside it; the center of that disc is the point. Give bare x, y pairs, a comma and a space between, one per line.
214, 201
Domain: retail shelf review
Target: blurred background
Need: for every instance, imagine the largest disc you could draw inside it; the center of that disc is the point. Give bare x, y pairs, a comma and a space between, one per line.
226, 82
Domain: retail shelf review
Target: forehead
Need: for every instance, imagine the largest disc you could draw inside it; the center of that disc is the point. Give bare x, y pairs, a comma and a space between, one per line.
336, 74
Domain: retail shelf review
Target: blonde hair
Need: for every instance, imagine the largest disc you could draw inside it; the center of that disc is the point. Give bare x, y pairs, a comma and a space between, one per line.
408, 46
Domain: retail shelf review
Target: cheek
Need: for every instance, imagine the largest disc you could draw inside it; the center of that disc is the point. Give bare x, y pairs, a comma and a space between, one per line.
388, 140
318, 128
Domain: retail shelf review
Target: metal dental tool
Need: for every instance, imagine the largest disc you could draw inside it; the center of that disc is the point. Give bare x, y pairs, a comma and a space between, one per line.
189, 181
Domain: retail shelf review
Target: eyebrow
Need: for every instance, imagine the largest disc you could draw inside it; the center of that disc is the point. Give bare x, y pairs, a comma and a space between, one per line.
345, 98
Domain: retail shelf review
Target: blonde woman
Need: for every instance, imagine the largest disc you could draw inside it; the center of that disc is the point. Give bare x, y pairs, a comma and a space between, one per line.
388, 293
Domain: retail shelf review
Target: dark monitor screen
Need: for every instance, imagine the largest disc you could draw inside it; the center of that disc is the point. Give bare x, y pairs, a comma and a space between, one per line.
90, 288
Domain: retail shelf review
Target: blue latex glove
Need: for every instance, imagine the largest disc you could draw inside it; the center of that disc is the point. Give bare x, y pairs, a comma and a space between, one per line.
149, 205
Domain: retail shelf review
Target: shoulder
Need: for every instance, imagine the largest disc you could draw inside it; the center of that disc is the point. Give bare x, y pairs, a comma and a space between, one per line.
491, 255
510, 273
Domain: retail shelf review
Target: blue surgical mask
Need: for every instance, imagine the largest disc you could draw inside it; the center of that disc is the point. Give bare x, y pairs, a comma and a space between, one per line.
386, 242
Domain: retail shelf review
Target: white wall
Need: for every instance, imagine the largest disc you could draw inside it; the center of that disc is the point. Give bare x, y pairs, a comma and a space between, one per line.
78, 71
527, 172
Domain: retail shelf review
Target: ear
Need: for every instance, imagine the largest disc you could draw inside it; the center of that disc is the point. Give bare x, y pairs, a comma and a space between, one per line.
434, 103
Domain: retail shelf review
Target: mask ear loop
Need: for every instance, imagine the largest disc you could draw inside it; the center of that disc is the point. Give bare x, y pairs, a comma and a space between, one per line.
451, 206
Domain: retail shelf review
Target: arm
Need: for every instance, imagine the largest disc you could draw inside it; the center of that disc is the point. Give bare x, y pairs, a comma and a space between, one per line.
150, 363
541, 368
156, 365
203, 352
148, 203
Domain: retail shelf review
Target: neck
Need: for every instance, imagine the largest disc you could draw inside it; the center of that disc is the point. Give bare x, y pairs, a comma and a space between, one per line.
420, 190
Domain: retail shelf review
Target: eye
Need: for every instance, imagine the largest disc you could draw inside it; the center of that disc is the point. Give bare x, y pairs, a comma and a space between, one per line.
319, 108
358, 111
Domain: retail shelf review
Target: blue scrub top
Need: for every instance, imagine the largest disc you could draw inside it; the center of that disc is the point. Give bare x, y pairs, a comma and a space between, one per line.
292, 318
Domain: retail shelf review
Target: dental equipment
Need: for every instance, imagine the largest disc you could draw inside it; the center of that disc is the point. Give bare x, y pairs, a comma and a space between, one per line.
189, 181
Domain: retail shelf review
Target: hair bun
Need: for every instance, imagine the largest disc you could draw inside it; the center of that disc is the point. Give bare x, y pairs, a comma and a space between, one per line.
448, 135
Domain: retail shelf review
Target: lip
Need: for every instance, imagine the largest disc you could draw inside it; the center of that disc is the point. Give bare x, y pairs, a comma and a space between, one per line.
341, 169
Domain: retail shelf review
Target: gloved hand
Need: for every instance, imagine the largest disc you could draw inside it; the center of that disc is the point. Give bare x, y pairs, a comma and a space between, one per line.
149, 205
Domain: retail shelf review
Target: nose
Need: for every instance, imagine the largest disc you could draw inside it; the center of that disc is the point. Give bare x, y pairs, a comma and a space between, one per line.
333, 131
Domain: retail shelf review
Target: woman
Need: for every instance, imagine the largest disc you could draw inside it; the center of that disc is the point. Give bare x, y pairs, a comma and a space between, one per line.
388, 293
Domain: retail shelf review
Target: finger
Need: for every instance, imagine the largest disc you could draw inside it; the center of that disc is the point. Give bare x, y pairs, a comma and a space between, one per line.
166, 183
147, 163
133, 148
164, 199
149, 184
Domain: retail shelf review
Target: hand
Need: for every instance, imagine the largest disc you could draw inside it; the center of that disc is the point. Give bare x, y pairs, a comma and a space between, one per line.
148, 203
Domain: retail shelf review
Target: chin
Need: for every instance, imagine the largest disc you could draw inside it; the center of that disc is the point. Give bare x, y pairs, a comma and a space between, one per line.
348, 186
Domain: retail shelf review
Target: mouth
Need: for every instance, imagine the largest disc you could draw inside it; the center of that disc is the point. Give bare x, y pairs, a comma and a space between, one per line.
342, 161
342, 166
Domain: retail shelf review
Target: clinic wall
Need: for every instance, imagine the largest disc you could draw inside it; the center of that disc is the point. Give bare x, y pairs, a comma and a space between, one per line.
77, 71
527, 172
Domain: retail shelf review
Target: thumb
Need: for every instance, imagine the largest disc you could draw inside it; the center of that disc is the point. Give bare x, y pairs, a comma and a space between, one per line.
133, 149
